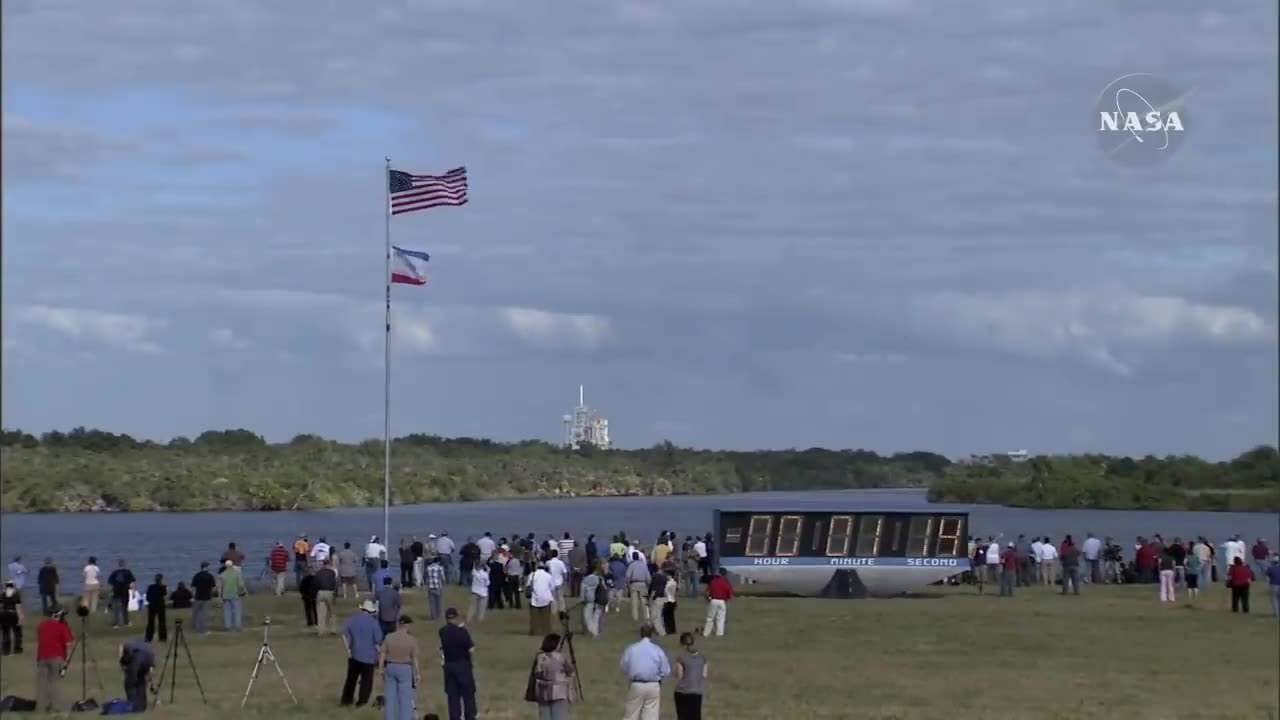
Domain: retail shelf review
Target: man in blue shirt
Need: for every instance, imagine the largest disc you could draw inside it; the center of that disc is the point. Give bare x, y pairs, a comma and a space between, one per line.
363, 637
382, 573
1273, 579
645, 665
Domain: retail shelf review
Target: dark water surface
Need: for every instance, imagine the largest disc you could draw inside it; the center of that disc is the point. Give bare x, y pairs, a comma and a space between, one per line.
175, 543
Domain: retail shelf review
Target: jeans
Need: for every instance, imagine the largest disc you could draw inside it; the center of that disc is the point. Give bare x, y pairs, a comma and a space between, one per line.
397, 682
1275, 600
200, 615
434, 600
119, 611
1071, 576
690, 582
369, 570
48, 600
1008, 579
1260, 569
512, 591
1095, 573
232, 614
591, 614
135, 687
447, 562
558, 710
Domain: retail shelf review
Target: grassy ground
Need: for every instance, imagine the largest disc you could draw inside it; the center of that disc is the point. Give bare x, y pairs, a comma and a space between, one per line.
1113, 652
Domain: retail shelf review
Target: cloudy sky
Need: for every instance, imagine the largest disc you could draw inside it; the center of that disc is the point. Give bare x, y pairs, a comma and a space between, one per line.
853, 223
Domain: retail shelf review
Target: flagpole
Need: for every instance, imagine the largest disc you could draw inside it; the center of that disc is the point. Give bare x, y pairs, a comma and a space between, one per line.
386, 389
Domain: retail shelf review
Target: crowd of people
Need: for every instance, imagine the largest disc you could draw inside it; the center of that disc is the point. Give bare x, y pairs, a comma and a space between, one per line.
1188, 566
549, 577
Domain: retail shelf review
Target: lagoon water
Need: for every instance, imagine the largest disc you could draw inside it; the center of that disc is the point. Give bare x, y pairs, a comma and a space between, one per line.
175, 543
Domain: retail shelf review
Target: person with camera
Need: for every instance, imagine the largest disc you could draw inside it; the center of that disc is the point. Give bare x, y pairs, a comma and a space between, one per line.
136, 660
551, 681
53, 639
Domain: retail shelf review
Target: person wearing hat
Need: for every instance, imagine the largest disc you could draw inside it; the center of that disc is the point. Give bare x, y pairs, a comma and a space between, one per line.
374, 553
400, 672
362, 636
10, 619
456, 649
53, 640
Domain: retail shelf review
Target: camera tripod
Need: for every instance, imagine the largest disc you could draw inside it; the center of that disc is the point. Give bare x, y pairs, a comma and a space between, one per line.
566, 640
82, 644
171, 655
266, 654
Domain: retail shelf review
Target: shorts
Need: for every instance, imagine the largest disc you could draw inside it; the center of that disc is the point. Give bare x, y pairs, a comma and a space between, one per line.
1193, 582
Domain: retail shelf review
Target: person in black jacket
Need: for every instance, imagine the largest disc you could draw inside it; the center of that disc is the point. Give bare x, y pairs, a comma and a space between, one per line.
202, 586
157, 593
406, 564
307, 589
47, 582
121, 581
180, 599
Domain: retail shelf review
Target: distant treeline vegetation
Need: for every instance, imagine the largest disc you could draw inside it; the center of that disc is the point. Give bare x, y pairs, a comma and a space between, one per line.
95, 470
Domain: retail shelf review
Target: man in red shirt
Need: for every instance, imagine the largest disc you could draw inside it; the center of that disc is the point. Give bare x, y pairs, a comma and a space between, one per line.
1008, 570
53, 639
719, 593
279, 562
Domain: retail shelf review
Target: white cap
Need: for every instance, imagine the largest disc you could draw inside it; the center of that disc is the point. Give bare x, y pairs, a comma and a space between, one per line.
368, 606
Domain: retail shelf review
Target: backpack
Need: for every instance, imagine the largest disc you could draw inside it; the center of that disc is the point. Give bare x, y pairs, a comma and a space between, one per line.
601, 597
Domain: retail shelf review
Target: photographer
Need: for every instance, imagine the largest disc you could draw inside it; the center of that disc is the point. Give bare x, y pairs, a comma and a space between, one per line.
551, 684
53, 638
136, 660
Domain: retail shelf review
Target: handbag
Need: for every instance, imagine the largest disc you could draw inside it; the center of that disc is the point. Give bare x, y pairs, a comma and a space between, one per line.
531, 690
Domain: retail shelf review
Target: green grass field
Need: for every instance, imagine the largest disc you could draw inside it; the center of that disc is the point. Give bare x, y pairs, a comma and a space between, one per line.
1113, 652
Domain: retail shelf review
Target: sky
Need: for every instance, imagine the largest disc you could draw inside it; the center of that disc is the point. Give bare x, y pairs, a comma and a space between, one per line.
881, 224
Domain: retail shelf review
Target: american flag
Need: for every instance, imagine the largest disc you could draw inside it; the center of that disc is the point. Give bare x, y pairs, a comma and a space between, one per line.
422, 192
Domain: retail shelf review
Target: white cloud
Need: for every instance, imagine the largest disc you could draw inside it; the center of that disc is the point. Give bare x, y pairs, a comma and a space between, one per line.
226, 339
549, 330
119, 330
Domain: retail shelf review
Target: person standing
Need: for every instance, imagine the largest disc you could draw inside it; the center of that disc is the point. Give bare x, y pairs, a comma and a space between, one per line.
388, 599
11, 619
400, 674
419, 551
1273, 584
595, 599
347, 561
47, 583
320, 553
719, 593
496, 582
326, 589
456, 651
1232, 549
559, 575
1093, 557
637, 584
645, 666
540, 601
671, 595
136, 660
1008, 570
444, 550
1239, 577
513, 573
203, 585
552, 681
157, 594
487, 546
1260, 553
307, 591
1070, 560
1205, 550
374, 553
92, 587
301, 549
1178, 552
435, 581
53, 639
234, 555
232, 591
18, 573
362, 636
1048, 562
121, 581
1166, 567
691, 679
405, 555
657, 597
278, 561
1193, 572
689, 569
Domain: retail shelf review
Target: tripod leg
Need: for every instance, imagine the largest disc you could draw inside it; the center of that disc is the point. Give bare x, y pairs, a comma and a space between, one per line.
191, 661
254, 676
283, 679
158, 687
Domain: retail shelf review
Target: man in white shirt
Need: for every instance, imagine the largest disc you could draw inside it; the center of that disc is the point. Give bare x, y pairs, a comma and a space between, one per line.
92, 586
445, 548
320, 553
1048, 562
1035, 561
993, 561
1232, 549
487, 546
558, 571
636, 553
700, 549
541, 599
374, 553
1092, 549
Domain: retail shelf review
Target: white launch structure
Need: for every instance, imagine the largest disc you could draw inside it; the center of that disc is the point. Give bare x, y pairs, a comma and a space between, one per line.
584, 426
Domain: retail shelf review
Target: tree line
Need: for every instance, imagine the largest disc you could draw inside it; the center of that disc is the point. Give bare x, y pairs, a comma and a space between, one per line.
87, 469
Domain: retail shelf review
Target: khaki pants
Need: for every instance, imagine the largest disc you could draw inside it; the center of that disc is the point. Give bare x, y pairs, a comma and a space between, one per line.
655, 614
1047, 574
643, 701
326, 617
89, 598
717, 612
639, 608
47, 680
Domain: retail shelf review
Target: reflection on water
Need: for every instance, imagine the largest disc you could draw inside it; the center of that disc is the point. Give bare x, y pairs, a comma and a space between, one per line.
175, 543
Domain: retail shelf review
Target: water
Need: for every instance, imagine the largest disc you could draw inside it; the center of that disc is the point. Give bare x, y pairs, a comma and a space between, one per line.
175, 543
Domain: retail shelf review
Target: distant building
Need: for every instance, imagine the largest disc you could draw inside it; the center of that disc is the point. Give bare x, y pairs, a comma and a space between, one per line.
585, 426
1018, 455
